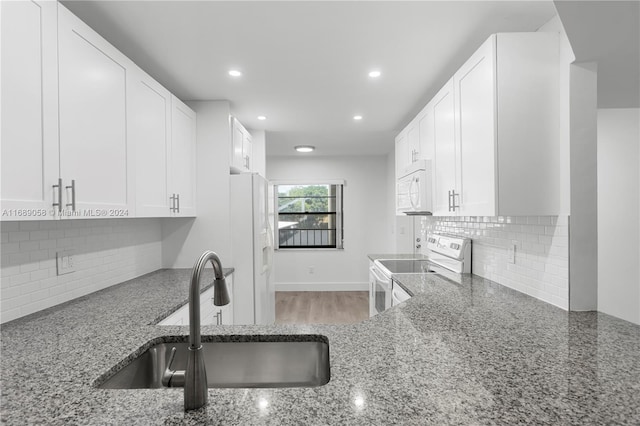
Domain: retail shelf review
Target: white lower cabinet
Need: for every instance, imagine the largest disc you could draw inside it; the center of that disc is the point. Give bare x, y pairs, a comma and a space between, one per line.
209, 313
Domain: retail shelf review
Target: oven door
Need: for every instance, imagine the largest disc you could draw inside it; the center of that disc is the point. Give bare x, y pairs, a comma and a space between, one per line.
379, 291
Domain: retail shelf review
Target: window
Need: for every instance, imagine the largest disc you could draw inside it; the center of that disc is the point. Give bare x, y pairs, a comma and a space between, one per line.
309, 216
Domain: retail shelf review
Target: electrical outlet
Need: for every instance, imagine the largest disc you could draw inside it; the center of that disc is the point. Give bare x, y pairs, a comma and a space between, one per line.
511, 254
64, 262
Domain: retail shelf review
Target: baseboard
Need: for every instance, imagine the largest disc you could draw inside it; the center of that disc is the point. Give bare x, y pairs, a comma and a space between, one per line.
352, 286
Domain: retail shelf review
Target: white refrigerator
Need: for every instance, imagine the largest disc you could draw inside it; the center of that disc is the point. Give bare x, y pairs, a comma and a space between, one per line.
252, 250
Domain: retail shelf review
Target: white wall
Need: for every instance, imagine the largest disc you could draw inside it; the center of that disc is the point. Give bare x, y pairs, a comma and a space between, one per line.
583, 225
184, 240
106, 252
619, 213
365, 217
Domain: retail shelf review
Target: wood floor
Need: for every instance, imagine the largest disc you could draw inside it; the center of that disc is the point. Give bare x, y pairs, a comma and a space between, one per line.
321, 307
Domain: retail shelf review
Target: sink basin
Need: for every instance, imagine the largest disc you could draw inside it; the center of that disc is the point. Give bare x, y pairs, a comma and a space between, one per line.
235, 362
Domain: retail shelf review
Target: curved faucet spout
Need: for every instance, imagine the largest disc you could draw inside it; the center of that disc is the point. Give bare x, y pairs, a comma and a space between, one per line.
195, 379
220, 293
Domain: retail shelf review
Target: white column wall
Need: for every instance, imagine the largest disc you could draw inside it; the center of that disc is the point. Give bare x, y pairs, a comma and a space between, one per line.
619, 213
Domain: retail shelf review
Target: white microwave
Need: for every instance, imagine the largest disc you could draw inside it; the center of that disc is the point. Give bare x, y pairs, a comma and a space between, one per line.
413, 190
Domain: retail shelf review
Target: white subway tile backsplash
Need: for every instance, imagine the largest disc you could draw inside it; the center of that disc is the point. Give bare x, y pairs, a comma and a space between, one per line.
541, 268
17, 236
29, 226
106, 252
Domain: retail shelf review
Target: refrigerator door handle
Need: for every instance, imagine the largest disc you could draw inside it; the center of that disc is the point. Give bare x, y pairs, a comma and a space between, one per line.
268, 262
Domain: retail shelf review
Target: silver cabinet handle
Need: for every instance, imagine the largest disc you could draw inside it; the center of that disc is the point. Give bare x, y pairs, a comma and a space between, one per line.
454, 206
452, 201
173, 203
177, 203
59, 191
219, 317
72, 187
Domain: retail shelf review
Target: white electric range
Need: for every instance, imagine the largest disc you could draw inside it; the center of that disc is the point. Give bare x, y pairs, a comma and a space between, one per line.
449, 256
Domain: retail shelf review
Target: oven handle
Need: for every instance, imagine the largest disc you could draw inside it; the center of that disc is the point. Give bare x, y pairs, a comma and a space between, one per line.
396, 298
374, 271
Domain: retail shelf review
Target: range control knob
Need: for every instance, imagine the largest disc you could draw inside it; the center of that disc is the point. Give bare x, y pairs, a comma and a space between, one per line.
418, 246
418, 239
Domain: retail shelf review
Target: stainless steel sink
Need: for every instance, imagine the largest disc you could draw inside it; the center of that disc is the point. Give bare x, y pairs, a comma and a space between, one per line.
234, 364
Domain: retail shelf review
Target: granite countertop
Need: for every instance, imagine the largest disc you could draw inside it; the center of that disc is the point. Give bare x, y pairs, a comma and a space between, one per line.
469, 353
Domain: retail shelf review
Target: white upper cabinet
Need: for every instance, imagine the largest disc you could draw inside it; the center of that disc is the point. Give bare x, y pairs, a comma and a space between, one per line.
507, 127
444, 152
411, 145
183, 159
149, 129
493, 131
402, 153
85, 132
94, 149
475, 91
241, 148
29, 110
413, 141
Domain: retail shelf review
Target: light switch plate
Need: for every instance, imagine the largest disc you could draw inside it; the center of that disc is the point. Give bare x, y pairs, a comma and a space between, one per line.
65, 262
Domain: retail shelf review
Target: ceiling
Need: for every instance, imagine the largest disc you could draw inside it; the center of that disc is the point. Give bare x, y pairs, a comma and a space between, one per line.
305, 64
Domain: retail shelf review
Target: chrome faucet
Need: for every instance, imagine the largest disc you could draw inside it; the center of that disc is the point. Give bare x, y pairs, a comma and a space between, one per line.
194, 378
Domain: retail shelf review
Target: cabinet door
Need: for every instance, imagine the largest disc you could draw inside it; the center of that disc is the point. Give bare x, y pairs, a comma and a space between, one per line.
149, 127
475, 94
425, 125
183, 157
444, 148
247, 149
241, 147
94, 150
413, 142
29, 109
237, 154
402, 154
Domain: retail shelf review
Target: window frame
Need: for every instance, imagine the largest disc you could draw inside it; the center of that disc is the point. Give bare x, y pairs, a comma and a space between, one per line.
339, 214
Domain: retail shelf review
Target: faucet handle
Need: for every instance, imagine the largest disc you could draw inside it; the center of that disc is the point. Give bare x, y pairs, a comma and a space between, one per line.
172, 378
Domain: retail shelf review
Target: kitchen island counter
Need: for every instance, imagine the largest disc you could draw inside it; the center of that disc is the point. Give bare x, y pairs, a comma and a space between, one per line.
468, 353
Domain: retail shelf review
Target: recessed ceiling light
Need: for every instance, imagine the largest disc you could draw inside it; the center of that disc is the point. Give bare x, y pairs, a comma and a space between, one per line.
305, 148
262, 117
235, 73
375, 74
357, 117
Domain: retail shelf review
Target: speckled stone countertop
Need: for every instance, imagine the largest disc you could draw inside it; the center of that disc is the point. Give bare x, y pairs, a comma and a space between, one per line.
473, 353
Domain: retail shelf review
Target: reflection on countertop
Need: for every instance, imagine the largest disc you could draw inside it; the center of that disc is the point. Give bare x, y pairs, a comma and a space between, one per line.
472, 352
